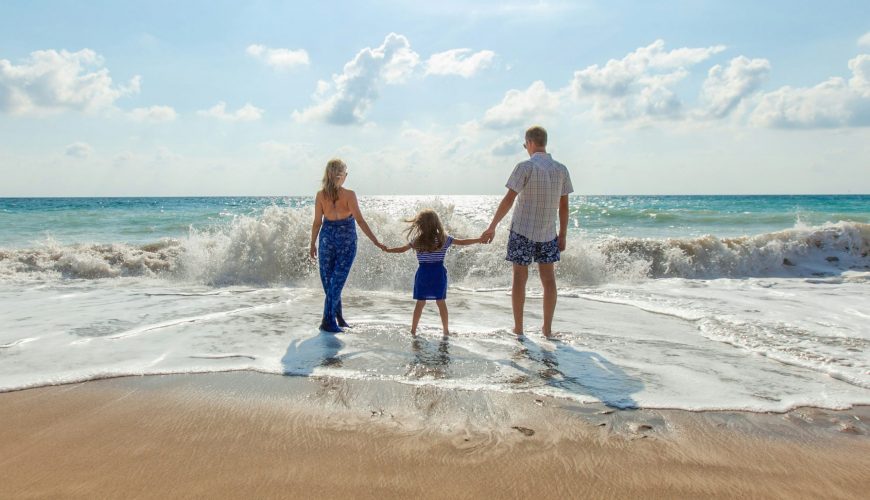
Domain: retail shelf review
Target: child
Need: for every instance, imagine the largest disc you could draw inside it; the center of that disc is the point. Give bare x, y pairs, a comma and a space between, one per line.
427, 238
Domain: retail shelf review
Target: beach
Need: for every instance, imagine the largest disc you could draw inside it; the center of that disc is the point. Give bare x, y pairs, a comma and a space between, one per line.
463, 249
704, 347
254, 435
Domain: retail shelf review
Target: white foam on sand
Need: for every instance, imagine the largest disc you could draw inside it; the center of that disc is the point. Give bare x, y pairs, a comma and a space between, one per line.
766, 344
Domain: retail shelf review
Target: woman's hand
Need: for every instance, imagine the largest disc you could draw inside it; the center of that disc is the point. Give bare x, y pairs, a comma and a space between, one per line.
312, 251
381, 246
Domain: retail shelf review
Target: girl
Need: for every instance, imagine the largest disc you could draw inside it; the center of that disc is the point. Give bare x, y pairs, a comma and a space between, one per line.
335, 210
428, 239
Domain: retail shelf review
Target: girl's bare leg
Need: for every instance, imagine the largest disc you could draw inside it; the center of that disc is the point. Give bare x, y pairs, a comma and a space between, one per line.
442, 310
418, 310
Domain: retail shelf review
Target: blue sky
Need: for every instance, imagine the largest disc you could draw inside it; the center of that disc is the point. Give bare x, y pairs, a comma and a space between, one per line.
217, 98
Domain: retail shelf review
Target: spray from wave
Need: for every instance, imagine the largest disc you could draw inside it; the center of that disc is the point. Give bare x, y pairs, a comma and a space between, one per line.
272, 249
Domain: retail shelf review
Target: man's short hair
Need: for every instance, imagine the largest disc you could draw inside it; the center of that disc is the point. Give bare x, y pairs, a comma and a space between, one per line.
538, 135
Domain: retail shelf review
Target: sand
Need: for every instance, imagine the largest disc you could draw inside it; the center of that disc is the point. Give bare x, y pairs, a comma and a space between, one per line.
251, 435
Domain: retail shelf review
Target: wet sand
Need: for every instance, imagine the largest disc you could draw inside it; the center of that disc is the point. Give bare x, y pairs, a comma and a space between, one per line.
253, 435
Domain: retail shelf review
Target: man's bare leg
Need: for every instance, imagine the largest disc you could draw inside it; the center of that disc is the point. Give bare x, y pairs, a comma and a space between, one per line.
418, 311
548, 281
518, 295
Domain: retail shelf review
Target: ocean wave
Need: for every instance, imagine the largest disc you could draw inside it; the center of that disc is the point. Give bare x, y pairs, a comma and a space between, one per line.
272, 249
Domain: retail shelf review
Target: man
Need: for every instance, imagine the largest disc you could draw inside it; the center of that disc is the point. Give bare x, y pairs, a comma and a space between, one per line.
541, 187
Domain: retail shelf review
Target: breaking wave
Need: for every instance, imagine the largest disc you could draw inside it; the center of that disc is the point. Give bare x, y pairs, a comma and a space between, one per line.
272, 249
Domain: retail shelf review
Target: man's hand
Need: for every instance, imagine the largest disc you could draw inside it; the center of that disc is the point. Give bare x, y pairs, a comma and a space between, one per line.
487, 236
312, 251
563, 242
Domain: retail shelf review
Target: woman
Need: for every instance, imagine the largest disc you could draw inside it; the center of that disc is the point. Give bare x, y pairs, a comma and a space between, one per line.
336, 213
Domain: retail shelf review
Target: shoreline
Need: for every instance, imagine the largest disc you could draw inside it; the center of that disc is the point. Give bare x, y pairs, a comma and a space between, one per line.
244, 433
858, 407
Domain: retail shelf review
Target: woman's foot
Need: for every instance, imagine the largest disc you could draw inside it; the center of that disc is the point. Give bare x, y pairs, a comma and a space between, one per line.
330, 326
341, 322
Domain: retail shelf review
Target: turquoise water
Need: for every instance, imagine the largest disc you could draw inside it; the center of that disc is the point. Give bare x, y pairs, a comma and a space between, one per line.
25, 222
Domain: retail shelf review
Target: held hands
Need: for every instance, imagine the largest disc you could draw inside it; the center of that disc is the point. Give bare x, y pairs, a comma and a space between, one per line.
487, 236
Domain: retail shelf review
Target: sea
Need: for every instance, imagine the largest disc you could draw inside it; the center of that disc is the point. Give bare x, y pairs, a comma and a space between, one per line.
757, 303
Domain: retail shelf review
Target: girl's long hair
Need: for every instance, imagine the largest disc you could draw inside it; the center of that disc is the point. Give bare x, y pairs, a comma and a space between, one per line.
329, 186
426, 234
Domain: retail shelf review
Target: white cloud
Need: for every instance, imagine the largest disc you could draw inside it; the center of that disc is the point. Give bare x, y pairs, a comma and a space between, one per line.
434, 142
275, 148
726, 87
520, 107
286, 150
165, 155
459, 62
454, 146
246, 113
417, 135
618, 77
864, 41
153, 114
52, 81
280, 59
79, 150
507, 146
124, 159
836, 102
640, 84
349, 97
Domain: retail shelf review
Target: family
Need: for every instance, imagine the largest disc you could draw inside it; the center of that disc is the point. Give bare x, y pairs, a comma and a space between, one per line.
540, 188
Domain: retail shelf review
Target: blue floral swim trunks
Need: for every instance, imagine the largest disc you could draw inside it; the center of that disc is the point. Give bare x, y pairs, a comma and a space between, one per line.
523, 251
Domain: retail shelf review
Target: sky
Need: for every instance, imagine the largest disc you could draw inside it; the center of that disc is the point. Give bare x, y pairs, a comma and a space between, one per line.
211, 98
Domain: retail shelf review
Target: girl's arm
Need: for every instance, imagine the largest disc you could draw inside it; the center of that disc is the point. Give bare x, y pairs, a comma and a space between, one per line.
469, 241
315, 226
354, 209
397, 249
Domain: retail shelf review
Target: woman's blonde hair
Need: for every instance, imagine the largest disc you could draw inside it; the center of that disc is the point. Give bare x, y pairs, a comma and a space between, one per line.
329, 186
426, 234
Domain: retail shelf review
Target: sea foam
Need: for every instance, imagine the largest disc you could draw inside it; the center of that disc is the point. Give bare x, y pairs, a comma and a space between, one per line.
272, 249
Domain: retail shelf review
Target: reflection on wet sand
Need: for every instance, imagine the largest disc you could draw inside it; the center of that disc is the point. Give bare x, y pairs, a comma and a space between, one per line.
558, 364
430, 359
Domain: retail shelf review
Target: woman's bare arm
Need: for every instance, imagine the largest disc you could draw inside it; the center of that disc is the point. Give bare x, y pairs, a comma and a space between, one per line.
357, 214
315, 226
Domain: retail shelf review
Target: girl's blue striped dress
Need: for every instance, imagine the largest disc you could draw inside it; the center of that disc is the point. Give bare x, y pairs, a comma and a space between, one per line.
430, 283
